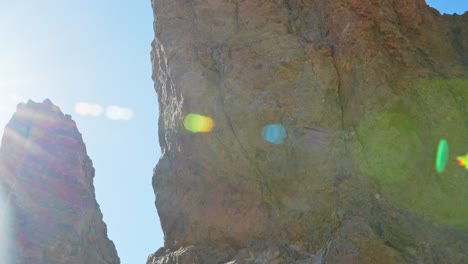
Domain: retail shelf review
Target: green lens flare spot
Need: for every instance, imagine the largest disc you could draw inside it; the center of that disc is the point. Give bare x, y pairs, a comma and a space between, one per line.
196, 123
442, 156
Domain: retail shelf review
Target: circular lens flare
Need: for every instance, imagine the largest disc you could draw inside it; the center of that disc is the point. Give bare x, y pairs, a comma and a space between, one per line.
462, 161
196, 123
274, 133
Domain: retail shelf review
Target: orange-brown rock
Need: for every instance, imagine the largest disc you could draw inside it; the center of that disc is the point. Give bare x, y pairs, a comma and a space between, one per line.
364, 90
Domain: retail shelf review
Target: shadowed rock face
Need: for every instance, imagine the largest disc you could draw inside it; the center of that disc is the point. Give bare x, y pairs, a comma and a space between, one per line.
364, 90
49, 209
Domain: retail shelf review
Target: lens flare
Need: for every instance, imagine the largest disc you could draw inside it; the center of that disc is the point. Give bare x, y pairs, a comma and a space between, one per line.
274, 133
115, 113
5, 229
196, 123
462, 161
84, 109
442, 156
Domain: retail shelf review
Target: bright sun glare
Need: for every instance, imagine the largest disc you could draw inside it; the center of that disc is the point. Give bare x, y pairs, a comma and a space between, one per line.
5, 228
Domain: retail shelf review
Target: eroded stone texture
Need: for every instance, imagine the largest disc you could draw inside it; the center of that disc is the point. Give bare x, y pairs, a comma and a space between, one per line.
48, 195
348, 80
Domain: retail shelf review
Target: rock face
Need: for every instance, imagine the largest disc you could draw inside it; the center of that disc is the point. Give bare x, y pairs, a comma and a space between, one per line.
49, 209
364, 90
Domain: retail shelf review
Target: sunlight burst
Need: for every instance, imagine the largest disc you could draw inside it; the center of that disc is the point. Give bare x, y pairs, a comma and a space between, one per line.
6, 228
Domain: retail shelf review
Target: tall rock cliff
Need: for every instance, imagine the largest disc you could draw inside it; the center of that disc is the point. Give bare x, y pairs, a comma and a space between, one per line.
305, 131
49, 213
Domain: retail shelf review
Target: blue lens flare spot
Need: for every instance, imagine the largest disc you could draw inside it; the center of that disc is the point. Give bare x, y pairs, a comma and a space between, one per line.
274, 133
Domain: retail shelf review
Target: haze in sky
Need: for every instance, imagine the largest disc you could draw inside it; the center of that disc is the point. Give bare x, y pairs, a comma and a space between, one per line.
97, 54
91, 58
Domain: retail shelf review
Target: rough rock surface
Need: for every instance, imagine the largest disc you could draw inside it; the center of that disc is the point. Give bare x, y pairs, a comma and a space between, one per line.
49, 213
365, 90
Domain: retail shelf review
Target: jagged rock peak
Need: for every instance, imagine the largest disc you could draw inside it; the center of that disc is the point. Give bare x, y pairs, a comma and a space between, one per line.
49, 208
46, 104
45, 117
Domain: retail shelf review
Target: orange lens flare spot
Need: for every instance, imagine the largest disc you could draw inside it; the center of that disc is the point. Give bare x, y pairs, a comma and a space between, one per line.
462, 161
196, 123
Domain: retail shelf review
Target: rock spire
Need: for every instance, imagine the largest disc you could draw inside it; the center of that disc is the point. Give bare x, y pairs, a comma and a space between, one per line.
49, 213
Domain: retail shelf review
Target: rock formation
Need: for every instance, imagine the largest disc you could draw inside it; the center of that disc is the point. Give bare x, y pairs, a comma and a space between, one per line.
364, 90
49, 213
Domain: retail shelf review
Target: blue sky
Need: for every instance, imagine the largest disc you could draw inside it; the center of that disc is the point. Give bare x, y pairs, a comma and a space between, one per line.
97, 52
449, 6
